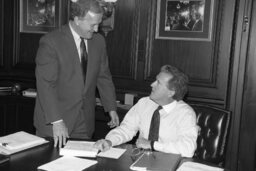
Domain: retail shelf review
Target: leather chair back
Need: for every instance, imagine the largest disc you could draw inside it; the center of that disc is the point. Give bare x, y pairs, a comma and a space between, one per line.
213, 132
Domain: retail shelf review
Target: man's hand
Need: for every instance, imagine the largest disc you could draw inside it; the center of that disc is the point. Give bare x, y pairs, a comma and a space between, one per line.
103, 145
143, 143
60, 133
114, 119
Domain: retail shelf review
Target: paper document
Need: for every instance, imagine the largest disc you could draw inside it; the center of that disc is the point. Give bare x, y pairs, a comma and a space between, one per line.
114, 153
19, 141
193, 166
79, 149
68, 163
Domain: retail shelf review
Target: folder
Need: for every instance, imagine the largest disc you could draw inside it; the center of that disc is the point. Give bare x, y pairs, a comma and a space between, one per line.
156, 161
19, 141
79, 149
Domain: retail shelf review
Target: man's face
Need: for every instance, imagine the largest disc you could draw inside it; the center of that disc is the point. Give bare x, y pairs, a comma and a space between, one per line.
160, 92
89, 24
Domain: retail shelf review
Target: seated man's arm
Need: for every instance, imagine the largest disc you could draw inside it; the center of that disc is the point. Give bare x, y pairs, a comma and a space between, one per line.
123, 133
103, 145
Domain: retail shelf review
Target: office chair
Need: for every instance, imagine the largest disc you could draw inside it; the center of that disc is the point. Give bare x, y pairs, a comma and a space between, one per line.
213, 132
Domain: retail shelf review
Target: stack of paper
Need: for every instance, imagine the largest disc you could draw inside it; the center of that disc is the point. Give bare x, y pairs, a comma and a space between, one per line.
19, 141
192, 166
86, 149
79, 148
114, 153
67, 163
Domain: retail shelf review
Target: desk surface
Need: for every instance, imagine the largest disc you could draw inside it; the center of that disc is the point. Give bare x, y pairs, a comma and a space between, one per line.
30, 159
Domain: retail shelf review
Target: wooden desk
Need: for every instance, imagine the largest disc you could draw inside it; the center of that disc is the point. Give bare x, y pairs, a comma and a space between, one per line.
30, 159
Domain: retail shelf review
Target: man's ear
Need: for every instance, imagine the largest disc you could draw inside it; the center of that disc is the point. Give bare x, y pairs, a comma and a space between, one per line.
76, 20
171, 93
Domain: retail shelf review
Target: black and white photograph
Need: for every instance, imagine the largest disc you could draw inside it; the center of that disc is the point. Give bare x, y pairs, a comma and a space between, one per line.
127, 85
39, 16
184, 15
184, 19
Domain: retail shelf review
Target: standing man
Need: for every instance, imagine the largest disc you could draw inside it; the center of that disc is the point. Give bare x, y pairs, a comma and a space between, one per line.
164, 121
70, 63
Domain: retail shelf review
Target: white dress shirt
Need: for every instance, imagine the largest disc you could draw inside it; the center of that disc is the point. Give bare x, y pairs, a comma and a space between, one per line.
78, 41
177, 132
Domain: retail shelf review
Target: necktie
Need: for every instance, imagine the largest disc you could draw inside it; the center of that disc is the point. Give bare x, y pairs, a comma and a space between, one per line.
84, 57
154, 125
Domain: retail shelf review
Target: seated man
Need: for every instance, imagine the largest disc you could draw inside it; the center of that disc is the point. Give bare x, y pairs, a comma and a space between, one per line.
164, 121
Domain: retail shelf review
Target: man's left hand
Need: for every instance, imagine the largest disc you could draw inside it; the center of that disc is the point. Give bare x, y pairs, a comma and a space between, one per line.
114, 119
143, 143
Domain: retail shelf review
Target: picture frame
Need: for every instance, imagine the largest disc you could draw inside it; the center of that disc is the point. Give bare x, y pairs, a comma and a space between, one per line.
184, 20
39, 16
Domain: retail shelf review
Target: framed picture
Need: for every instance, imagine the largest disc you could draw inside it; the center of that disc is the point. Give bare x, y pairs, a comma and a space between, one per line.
39, 16
184, 19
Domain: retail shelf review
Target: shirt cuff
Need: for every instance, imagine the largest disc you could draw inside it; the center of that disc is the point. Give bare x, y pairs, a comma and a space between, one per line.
57, 121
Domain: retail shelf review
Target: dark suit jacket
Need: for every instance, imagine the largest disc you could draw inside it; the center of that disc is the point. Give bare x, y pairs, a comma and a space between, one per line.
62, 93
198, 26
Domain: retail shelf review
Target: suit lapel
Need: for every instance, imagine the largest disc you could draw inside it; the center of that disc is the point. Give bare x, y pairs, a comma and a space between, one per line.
74, 53
92, 63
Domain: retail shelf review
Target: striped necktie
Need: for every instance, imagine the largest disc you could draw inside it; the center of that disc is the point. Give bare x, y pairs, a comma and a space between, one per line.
84, 57
154, 125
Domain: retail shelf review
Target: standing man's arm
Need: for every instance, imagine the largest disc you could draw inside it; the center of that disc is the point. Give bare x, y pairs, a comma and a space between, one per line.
107, 90
46, 77
114, 119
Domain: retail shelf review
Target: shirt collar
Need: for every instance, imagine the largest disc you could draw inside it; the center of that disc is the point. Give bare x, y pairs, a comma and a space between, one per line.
77, 39
75, 35
169, 107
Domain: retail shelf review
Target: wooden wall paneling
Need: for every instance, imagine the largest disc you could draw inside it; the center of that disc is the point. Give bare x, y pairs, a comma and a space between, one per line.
16, 114
247, 143
24, 115
1, 34
11, 122
2, 119
24, 46
237, 76
8, 36
206, 63
28, 43
122, 43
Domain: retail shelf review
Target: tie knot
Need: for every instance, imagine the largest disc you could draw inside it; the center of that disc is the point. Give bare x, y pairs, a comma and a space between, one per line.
159, 108
82, 45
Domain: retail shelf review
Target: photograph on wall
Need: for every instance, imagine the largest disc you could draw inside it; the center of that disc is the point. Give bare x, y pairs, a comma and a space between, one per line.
39, 16
184, 19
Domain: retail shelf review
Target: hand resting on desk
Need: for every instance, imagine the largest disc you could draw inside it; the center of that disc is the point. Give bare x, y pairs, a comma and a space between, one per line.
60, 133
143, 143
103, 145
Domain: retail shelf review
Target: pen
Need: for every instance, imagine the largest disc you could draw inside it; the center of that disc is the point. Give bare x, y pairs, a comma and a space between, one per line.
4, 144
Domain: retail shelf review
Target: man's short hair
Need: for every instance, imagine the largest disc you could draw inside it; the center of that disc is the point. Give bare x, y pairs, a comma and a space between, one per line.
81, 7
177, 83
